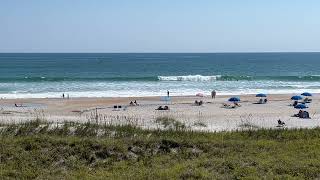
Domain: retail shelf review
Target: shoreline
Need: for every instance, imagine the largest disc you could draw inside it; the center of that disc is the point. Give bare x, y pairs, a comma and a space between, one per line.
152, 96
75, 95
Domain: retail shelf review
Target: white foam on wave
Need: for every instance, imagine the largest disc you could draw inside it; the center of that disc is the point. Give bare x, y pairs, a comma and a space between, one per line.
132, 93
189, 78
151, 88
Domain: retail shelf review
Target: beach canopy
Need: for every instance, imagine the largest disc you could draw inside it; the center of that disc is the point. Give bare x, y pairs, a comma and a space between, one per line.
296, 98
234, 99
165, 98
261, 95
300, 106
306, 94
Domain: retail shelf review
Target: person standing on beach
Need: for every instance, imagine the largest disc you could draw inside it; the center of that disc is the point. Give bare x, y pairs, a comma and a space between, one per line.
168, 93
62, 95
213, 94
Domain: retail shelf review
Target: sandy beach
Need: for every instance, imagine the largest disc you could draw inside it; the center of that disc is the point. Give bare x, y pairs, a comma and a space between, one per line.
211, 116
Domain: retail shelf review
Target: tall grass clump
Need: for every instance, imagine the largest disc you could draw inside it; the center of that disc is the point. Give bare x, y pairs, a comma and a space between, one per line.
170, 123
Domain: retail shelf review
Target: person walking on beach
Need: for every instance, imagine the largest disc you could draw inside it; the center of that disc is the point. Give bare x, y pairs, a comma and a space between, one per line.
62, 95
213, 94
168, 93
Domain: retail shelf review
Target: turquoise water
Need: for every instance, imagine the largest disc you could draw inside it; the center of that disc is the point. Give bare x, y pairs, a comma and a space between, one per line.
118, 75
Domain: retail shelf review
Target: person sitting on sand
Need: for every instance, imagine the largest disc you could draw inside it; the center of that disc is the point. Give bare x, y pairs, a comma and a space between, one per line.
295, 103
229, 106
304, 115
299, 114
163, 108
131, 103
307, 114
160, 108
281, 123
237, 104
135, 102
307, 100
16, 105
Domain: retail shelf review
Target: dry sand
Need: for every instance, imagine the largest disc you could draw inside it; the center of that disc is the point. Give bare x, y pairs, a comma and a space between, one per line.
211, 115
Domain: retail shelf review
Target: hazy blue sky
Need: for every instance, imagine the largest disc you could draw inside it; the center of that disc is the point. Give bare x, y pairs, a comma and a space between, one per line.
159, 25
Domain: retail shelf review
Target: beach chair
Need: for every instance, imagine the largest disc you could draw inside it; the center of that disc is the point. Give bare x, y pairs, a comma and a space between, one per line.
117, 108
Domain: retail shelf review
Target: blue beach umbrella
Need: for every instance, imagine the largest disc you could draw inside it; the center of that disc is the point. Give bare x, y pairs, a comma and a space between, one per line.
296, 98
261, 95
300, 106
306, 94
234, 99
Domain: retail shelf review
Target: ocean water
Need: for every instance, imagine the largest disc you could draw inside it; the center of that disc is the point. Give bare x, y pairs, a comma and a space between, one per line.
125, 75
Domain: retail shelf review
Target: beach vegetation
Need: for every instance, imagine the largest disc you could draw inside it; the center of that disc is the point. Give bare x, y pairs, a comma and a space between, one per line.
170, 123
70, 150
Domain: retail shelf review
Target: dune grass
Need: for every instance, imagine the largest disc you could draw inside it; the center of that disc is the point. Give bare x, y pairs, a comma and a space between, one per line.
43, 150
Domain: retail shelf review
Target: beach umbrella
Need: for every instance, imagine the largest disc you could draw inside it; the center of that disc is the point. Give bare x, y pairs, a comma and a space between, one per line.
306, 94
261, 95
234, 99
296, 98
300, 106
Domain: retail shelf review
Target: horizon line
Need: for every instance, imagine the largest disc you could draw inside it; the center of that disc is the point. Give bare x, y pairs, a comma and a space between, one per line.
226, 52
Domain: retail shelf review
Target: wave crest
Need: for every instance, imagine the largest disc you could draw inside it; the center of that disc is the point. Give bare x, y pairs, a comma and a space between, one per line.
189, 78
238, 78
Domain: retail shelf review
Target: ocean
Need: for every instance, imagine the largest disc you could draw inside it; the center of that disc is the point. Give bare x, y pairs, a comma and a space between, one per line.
42, 75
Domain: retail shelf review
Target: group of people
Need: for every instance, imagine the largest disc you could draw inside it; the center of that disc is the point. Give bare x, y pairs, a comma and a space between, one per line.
198, 103
263, 101
302, 114
134, 103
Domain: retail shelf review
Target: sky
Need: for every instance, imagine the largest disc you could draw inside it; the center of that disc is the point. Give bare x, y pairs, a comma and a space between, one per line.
159, 26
